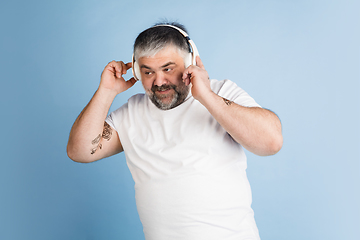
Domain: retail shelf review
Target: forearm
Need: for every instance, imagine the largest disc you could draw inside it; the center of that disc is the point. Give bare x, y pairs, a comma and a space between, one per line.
257, 129
86, 134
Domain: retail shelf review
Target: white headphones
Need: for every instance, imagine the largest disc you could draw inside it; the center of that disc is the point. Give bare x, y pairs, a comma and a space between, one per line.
189, 60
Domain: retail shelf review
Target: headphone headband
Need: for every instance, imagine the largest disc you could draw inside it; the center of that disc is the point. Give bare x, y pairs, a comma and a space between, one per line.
194, 53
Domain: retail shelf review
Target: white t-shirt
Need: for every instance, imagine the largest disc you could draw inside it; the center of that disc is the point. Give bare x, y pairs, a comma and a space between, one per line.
190, 179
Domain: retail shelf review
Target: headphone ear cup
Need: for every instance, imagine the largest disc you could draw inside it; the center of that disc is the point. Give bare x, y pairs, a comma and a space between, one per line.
137, 73
188, 60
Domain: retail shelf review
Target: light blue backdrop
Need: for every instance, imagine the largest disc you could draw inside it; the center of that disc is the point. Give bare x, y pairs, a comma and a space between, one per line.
298, 58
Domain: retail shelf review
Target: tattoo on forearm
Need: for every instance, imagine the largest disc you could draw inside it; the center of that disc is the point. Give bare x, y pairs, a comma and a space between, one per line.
227, 102
106, 134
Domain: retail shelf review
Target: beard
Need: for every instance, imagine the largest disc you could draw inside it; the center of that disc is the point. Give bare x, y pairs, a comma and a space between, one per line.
170, 100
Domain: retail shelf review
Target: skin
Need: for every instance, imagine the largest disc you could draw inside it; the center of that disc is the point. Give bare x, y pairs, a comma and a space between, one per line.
162, 78
257, 129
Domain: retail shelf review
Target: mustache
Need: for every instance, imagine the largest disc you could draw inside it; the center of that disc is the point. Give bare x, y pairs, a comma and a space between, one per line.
163, 87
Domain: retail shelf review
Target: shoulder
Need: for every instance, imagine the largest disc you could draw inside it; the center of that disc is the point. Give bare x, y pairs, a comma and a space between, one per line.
217, 85
121, 113
230, 90
136, 99
226, 88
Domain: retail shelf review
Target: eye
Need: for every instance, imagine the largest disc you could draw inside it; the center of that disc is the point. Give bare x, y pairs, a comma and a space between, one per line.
167, 69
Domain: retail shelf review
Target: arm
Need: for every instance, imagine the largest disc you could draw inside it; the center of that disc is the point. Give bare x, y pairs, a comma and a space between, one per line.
91, 138
257, 129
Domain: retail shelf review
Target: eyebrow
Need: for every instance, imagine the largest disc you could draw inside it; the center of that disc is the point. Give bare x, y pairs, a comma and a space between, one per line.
167, 64
163, 66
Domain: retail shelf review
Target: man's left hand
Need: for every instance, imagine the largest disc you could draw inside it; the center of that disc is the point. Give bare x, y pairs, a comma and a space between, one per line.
199, 78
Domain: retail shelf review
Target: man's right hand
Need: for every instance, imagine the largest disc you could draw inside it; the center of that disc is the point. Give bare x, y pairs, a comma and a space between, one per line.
111, 77
87, 140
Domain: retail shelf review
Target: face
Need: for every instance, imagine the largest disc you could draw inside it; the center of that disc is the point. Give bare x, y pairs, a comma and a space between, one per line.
161, 76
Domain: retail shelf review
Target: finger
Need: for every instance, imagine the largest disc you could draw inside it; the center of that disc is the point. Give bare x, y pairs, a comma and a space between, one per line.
116, 67
189, 79
199, 63
112, 67
128, 65
187, 76
123, 67
187, 73
129, 83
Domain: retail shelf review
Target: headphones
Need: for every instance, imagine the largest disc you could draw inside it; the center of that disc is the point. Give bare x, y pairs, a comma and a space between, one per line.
190, 59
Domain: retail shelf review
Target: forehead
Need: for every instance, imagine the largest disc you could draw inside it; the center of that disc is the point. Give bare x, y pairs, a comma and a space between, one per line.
167, 54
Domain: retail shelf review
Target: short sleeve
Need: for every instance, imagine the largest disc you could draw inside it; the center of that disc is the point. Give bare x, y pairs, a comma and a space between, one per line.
229, 90
110, 120
115, 117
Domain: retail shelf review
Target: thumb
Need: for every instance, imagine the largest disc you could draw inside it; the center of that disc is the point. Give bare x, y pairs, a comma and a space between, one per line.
129, 83
199, 63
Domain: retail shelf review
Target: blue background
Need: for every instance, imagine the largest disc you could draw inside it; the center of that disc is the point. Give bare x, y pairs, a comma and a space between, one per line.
298, 58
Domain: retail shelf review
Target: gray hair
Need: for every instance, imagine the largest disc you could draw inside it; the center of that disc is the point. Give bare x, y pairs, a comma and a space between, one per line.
156, 38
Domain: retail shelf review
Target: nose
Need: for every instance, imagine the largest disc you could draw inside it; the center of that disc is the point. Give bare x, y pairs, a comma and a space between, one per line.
160, 79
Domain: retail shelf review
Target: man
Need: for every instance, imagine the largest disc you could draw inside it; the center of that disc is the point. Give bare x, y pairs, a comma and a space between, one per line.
183, 139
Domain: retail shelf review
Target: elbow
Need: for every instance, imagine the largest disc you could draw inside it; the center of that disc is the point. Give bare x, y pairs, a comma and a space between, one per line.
275, 145
267, 148
71, 153
74, 155
276, 140
271, 147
